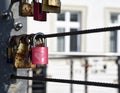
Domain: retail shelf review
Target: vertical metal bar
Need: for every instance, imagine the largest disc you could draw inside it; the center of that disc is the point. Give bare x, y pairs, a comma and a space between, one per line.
71, 75
4, 5
86, 74
5, 28
39, 86
118, 62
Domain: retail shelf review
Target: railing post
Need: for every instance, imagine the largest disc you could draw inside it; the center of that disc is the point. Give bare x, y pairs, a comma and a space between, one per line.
118, 62
71, 75
86, 74
5, 28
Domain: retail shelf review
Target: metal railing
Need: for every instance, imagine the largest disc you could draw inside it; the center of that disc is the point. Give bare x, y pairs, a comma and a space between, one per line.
82, 55
75, 55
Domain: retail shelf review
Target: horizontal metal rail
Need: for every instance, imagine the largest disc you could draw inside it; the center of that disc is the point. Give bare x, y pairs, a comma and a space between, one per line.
110, 85
81, 55
88, 31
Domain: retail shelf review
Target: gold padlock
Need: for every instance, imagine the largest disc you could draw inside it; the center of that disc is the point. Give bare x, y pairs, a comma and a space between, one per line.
56, 3
11, 50
26, 8
50, 9
22, 58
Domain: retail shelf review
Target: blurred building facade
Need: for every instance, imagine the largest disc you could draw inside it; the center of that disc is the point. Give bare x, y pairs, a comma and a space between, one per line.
75, 16
80, 15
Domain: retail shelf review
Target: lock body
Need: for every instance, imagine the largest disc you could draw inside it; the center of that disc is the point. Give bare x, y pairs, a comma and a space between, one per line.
50, 9
22, 56
26, 8
40, 55
20, 61
10, 58
11, 50
56, 3
39, 15
39, 50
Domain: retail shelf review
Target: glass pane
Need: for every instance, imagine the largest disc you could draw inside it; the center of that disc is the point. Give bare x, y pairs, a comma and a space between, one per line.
113, 41
61, 41
61, 17
73, 41
74, 17
113, 34
114, 18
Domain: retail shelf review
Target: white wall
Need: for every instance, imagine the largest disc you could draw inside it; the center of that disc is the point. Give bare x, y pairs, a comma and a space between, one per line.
95, 19
94, 42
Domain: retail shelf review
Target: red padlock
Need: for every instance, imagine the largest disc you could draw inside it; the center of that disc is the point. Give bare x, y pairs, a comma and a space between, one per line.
39, 52
39, 15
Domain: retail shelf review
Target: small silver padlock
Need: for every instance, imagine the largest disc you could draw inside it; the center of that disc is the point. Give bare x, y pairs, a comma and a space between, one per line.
39, 51
50, 9
26, 8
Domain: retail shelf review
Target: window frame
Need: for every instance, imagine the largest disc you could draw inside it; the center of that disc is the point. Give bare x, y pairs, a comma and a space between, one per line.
108, 12
68, 24
83, 11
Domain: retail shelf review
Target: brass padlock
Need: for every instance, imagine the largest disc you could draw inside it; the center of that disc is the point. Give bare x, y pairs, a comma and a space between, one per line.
29, 40
50, 9
22, 57
26, 8
56, 3
11, 50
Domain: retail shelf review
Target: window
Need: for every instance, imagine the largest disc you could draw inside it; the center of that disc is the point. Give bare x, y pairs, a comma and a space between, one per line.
68, 21
114, 19
61, 41
74, 17
73, 41
61, 17
113, 41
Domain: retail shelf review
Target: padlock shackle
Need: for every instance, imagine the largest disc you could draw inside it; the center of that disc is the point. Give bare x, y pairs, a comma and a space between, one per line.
29, 39
40, 36
22, 38
11, 40
37, 1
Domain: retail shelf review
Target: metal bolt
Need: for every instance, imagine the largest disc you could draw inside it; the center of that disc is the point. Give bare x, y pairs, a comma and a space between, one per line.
18, 26
5, 15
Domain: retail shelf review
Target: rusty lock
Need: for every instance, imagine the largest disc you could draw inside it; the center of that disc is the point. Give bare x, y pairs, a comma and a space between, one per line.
11, 49
26, 8
22, 56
